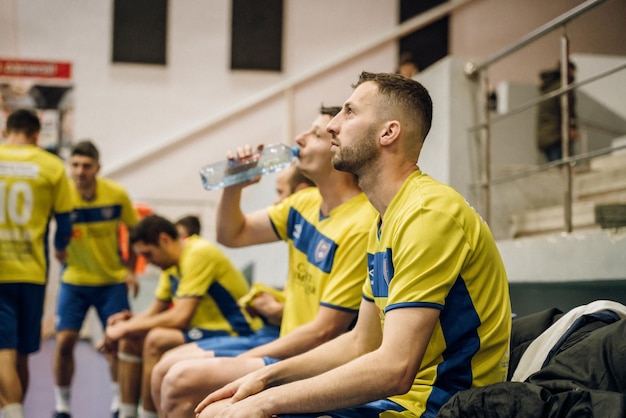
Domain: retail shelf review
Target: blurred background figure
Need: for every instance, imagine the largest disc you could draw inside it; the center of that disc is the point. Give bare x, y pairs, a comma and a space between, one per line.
407, 67
549, 114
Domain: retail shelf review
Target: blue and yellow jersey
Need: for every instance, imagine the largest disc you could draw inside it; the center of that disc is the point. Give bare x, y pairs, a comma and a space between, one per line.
205, 272
327, 255
434, 251
94, 256
33, 186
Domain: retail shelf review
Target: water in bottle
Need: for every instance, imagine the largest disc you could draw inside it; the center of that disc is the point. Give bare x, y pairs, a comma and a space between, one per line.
228, 172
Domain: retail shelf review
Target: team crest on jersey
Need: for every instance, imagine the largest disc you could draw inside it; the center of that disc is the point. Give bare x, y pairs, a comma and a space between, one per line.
107, 213
321, 251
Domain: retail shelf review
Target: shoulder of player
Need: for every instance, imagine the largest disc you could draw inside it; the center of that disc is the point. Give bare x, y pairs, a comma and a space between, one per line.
110, 186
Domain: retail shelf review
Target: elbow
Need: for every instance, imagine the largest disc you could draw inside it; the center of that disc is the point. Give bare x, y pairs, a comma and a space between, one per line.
400, 380
226, 240
219, 237
328, 333
401, 385
181, 323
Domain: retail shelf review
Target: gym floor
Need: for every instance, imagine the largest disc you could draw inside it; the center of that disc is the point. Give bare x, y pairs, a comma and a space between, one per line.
91, 388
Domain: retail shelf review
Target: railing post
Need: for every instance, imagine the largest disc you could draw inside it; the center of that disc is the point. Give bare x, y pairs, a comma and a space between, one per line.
485, 175
566, 134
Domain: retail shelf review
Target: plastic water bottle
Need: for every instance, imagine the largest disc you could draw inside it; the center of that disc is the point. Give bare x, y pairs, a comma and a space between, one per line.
228, 172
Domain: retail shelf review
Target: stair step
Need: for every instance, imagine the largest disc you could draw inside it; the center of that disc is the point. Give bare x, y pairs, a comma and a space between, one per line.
617, 159
597, 183
551, 219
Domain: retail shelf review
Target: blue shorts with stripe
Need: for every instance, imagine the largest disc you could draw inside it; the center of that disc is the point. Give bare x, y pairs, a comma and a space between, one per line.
233, 346
74, 301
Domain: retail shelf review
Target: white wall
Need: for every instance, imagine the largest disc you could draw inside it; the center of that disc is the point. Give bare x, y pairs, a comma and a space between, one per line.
128, 109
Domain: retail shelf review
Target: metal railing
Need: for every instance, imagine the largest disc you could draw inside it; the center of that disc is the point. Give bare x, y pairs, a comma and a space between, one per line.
479, 72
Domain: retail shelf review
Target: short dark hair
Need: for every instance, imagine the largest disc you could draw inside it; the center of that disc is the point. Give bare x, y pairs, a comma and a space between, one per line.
330, 110
412, 97
23, 121
191, 223
149, 229
86, 148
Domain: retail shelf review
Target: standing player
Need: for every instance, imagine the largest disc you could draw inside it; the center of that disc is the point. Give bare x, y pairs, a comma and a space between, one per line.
95, 274
33, 185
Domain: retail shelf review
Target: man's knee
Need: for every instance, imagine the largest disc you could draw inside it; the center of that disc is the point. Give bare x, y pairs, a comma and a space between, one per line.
157, 342
158, 372
130, 346
65, 342
176, 382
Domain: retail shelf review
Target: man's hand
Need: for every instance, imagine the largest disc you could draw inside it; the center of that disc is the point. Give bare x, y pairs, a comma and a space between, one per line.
132, 283
118, 317
115, 332
265, 305
227, 409
244, 159
233, 392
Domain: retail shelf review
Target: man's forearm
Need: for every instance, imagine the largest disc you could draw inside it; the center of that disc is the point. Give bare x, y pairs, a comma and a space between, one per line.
230, 218
314, 361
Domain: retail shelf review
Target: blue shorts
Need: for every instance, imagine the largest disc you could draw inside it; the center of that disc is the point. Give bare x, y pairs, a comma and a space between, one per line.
21, 310
368, 410
233, 346
73, 302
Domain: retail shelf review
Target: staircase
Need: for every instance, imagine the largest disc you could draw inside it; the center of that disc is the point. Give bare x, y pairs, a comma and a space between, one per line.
595, 187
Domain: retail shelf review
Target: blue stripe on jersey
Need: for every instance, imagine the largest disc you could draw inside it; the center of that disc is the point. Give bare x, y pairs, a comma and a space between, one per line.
99, 214
230, 309
339, 308
63, 233
173, 284
225, 303
381, 271
459, 323
320, 250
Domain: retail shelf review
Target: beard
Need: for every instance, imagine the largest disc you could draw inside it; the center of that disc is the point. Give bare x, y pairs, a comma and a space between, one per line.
362, 156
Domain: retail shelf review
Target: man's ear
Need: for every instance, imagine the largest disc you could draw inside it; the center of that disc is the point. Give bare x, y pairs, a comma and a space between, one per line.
391, 132
164, 239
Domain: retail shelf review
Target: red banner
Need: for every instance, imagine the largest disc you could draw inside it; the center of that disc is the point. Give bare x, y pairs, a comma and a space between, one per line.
35, 69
